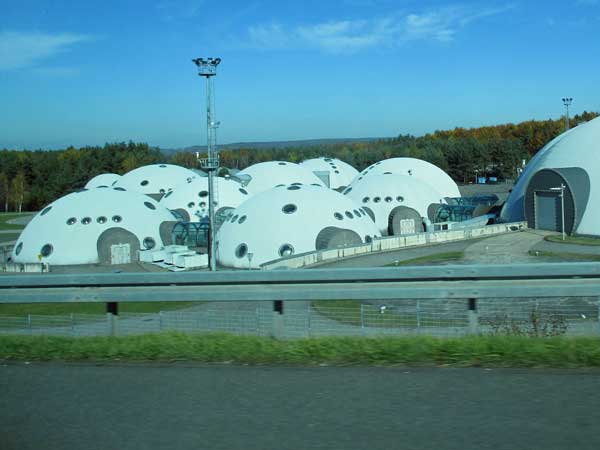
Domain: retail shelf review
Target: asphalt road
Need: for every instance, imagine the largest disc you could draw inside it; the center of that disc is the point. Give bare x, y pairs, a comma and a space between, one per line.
191, 406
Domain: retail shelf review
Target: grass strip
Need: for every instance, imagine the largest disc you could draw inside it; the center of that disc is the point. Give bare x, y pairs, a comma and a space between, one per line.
57, 309
579, 240
473, 351
437, 258
565, 255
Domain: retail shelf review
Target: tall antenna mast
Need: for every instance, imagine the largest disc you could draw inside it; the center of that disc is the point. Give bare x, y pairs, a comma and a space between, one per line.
208, 68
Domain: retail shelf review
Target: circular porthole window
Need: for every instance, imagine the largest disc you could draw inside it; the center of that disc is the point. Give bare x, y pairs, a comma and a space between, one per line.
162, 166
356, 213
149, 205
349, 215
366, 199
101, 219
282, 163
203, 194
388, 199
347, 190
144, 183
368, 239
400, 198
45, 211
102, 186
18, 248
241, 250
242, 219
336, 171
117, 219
86, 220
202, 204
377, 199
286, 250
290, 208
71, 221
234, 218
338, 216
46, 250
191, 204
294, 187
315, 184
243, 191
162, 191
387, 173
149, 243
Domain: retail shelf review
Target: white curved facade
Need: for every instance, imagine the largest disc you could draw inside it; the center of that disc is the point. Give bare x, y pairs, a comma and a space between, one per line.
193, 196
104, 179
417, 168
577, 148
288, 220
382, 193
68, 229
155, 178
267, 175
341, 173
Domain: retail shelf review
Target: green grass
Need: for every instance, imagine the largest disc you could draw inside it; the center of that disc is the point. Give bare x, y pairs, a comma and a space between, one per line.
437, 258
579, 240
51, 309
565, 255
5, 217
486, 351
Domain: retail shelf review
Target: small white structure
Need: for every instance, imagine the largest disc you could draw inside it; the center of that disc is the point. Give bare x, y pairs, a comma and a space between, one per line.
398, 203
289, 220
417, 168
104, 179
267, 175
191, 199
156, 179
101, 225
339, 173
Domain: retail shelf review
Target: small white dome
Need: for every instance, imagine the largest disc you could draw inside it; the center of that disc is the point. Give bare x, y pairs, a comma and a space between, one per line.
417, 168
79, 227
155, 178
382, 194
192, 197
289, 220
340, 173
104, 179
267, 175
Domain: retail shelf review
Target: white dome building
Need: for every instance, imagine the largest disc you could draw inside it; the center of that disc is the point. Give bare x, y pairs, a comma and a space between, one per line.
155, 180
569, 162
267, 175
398, 203
417, 168
190, 200
340, 173
83, 227
104, 179
290, 220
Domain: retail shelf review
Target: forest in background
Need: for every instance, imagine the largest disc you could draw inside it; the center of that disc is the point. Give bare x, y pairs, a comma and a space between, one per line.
31, 179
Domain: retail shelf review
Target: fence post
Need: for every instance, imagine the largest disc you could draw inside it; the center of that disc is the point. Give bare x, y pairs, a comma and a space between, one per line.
29, 323
418, 315
598, 315
308, 318
278, 319
72, 325
257, 315
362, 318
160, 320
112, 312
473, 319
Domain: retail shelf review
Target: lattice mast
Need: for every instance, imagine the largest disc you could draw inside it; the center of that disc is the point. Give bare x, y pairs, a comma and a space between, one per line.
208, 68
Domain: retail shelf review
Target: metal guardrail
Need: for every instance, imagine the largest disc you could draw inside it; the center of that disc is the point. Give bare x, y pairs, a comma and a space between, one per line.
427, 282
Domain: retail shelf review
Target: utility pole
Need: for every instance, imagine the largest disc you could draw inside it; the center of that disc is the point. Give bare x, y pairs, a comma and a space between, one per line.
207, 68
567, 102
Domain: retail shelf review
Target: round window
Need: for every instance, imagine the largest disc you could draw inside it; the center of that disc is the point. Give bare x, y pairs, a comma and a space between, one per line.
338, 216
377, 199
388, 199
368, 239
86, 220
356, 213
18, 248
203, 194
241, 250
400, 198
144, 183
243, 191
349, 215
46, 250
282, 163
162, 166
336, 171
149, 205
366, 199
71, 220
202, 204
290, 208
286, 250
234, 218
162, 191
242, 219
99, 187
315, 184
387, 173
347, 190
149, 243
191, 204
46, 210
117, 219
294, 187
101, 219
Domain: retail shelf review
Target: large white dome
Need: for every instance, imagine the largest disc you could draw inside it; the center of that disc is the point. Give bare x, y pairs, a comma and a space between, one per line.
340, 173
155, 179
267, 175
570, 160
289, 220
192, 197
417, 168
391, 193
80, 228
104, 179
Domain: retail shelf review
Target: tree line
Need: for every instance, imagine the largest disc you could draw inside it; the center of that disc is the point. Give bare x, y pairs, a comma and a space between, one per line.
31, 179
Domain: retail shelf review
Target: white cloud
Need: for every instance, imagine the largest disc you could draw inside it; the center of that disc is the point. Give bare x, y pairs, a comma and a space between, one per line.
350, 36
19, 50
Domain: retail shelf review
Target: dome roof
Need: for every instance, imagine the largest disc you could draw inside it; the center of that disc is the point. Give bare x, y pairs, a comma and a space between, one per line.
341, 173
575, 151
288, 220
104, 179
155, 178
267, 175
417, 168
383, 193
192, 197
74, 228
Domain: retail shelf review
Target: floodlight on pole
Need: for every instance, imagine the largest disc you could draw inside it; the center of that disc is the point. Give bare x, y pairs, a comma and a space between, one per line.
567, 102
207, 67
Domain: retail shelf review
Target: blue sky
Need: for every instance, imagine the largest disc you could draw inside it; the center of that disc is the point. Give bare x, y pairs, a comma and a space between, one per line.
88, 72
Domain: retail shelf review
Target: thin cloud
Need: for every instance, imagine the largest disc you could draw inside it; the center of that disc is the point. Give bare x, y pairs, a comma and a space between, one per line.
351, 36
170, 10
19, 50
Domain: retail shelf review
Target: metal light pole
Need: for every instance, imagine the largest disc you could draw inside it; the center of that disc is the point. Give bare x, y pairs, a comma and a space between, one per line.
567, 102
208, 68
